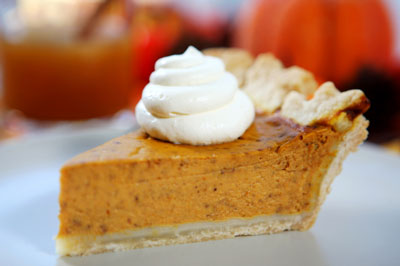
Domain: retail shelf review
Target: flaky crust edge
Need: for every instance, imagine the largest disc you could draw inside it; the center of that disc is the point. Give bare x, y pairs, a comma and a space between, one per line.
350, 142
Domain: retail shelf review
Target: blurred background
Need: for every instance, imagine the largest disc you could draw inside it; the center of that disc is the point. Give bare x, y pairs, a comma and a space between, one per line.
72, 64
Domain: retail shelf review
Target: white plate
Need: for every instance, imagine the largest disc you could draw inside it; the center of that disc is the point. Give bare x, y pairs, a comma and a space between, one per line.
359, 223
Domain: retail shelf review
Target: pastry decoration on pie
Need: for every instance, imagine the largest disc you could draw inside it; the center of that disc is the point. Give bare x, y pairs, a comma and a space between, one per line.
138, 191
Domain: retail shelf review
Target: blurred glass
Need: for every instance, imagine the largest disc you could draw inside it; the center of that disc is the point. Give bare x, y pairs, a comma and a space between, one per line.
59, 63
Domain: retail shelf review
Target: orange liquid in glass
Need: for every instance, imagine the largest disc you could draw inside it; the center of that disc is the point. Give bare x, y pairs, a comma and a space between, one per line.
67, 81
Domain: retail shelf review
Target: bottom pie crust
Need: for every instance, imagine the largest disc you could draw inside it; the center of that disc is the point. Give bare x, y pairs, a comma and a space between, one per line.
170, 235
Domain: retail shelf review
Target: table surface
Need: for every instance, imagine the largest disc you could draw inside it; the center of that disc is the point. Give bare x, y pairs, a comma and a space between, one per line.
358, 224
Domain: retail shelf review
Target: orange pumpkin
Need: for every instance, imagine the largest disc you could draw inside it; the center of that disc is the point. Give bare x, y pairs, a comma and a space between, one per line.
331, 38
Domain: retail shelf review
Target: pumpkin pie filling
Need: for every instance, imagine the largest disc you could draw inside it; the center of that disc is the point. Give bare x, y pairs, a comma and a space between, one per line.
126, 187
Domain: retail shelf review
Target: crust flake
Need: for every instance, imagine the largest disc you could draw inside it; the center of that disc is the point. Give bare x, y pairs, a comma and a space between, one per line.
268, 82
327, 106
237, 61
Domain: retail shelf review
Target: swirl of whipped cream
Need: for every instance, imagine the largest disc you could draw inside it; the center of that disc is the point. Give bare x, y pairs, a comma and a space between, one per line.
191, 99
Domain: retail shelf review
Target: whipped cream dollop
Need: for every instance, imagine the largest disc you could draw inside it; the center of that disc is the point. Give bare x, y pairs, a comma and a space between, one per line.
191, 99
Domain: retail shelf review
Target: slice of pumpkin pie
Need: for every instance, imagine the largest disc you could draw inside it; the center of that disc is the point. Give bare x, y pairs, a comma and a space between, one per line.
212, 161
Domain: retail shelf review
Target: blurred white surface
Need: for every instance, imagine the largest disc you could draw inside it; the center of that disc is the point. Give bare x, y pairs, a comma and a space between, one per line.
358, 225
394, 7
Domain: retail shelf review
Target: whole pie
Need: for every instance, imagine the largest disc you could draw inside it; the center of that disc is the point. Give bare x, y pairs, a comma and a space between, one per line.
136, 191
